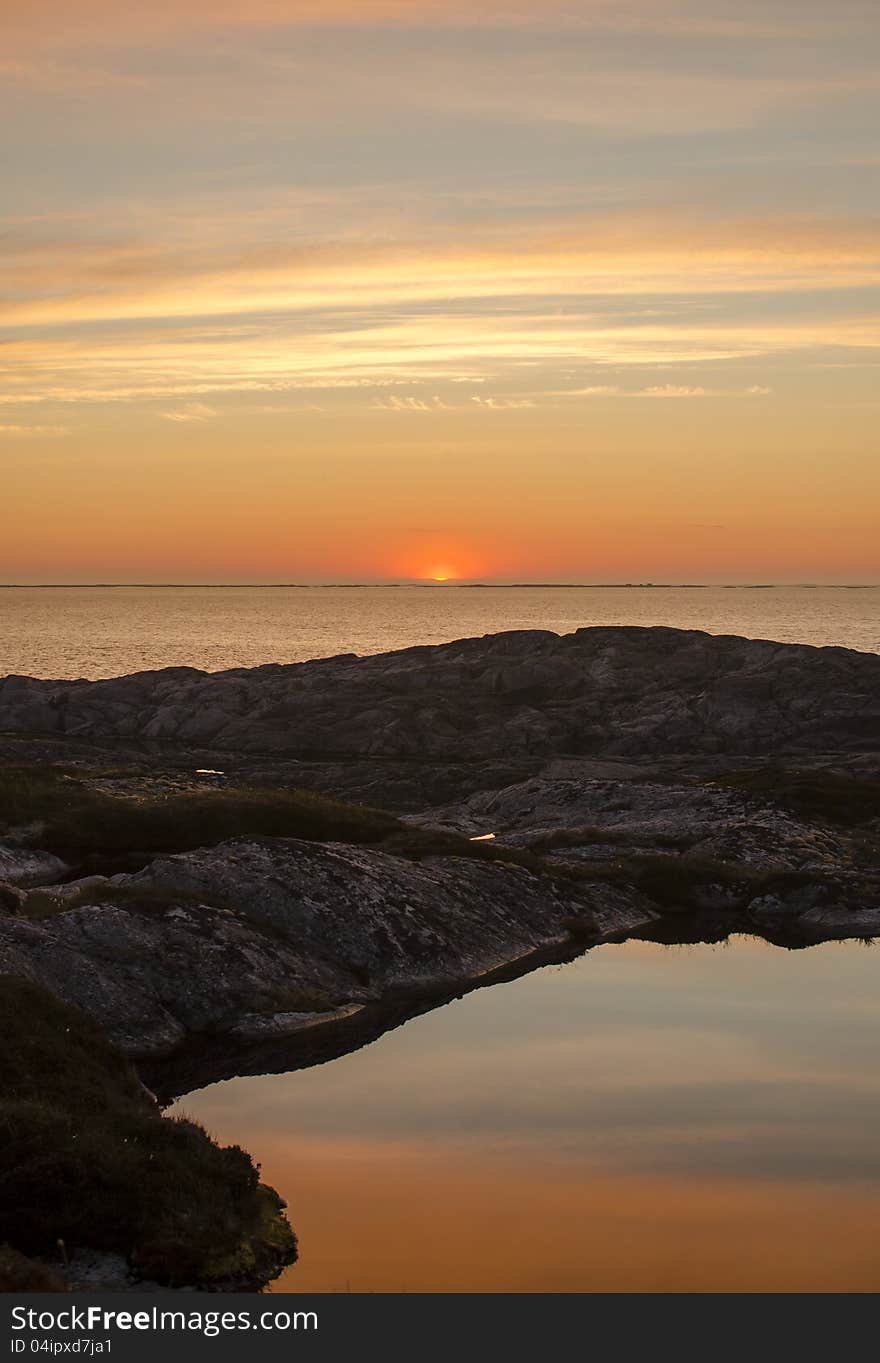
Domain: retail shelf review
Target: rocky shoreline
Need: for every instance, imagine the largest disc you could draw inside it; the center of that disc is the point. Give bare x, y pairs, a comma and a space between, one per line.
618, 691
255, 870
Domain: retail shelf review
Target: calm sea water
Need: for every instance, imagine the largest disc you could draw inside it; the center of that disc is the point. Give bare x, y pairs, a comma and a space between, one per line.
107, 631
644, 1119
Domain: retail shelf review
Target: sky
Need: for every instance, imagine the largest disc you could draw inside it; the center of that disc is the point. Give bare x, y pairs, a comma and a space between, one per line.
367, 290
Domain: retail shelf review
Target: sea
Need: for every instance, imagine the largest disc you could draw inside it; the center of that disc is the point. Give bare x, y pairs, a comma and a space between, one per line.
65, 632
646, 1118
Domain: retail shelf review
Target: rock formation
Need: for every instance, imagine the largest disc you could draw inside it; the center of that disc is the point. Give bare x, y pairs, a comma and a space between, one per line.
627, 692
633, 781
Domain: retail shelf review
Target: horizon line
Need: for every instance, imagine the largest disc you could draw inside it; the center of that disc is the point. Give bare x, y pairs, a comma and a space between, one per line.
434, 583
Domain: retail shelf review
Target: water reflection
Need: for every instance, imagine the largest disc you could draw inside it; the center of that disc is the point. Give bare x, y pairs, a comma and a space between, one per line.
643, 1119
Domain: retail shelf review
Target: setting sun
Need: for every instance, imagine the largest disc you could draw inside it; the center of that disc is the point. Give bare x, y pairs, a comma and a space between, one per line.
441, 558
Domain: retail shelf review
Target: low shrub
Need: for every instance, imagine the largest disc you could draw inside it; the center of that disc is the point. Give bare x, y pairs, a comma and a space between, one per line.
87, 1158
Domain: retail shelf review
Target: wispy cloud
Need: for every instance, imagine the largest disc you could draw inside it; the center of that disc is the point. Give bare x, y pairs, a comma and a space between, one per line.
382, 345
194, 411
662, 390
57, 284
502, 404
33, 432
280, 408
680, 390
396, 403
594, 390
672, 390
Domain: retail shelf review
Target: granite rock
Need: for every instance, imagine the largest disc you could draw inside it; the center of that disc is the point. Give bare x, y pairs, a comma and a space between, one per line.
603, 691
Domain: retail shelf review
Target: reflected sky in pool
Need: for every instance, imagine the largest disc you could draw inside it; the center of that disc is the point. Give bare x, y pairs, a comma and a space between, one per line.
647, 1118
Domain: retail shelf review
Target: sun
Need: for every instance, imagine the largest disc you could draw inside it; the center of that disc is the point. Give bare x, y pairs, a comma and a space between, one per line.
437, 561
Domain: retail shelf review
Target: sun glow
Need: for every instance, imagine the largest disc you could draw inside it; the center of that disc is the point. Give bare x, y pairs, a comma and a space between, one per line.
440, 559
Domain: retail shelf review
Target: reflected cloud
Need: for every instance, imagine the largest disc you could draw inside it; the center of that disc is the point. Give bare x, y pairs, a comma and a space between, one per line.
640, 1119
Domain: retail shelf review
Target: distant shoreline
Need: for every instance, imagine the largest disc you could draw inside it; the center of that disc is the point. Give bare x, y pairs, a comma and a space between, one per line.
441, 586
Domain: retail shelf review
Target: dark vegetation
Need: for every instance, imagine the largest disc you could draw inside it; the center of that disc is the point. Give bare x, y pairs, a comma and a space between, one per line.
76, 821
18, 1273
87, 1158
64, 815
839, 797
686, 882
560, 838
101, 832
89, 827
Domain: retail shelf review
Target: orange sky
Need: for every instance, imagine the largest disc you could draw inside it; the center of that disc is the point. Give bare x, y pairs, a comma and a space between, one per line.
299, 292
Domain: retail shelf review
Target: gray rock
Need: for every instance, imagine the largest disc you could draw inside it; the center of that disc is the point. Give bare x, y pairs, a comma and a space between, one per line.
772, 841
21, 866
601, 817
521, 813
603, 692
272, 936
829, 921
